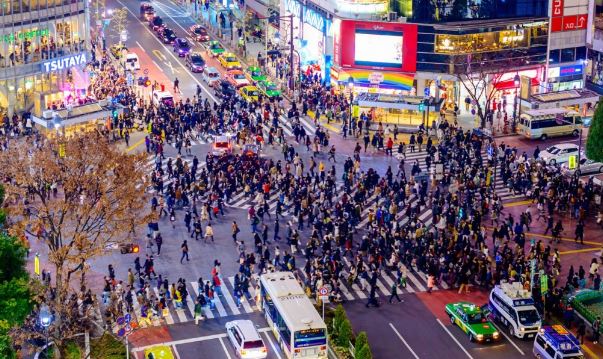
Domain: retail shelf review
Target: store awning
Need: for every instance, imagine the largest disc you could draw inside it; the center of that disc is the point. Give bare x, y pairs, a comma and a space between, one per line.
510, 84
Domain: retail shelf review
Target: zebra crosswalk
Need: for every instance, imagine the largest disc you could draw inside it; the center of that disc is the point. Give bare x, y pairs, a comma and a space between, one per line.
151, 165
225, 305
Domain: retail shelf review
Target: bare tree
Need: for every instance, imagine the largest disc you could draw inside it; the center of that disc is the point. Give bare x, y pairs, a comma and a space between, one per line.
80, 197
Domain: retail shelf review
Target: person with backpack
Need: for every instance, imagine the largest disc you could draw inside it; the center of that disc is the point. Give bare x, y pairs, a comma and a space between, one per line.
596, 326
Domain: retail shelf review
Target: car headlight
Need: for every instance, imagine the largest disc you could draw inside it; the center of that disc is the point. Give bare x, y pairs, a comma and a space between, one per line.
480, 337
522, 329
495, 334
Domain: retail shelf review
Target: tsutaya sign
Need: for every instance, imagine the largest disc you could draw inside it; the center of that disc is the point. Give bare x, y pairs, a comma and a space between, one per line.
64, 62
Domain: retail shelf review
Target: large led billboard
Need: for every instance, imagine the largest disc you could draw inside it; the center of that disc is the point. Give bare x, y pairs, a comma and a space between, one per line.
376, 45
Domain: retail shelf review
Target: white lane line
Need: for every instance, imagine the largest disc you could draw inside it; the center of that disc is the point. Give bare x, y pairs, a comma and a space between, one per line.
509, 339
274, 349
224, 347
170, 52
453, 338
139, 45
404, 341
229, 300
176, 352
156, 65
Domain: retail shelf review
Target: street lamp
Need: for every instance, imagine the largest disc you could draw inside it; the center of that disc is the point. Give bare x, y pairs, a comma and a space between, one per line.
45, 320
516, 107
351, 87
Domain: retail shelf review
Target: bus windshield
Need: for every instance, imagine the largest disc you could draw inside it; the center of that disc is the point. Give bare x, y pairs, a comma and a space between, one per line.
310, 337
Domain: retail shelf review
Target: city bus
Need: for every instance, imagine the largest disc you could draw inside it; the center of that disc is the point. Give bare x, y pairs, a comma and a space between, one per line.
296, 324
552, 122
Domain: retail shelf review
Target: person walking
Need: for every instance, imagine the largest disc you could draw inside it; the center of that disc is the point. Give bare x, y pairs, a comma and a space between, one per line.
235, 230
430, 283
198, 311
159, 242
184, 248
176, 86
372, 300
581, 332
209, 232
596, 327
394, 294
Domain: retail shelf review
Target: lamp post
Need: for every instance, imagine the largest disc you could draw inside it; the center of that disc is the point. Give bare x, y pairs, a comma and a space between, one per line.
517, 106
351, 87
45, 320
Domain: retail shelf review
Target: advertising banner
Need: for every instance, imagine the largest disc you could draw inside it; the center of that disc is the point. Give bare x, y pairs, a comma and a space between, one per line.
377, 45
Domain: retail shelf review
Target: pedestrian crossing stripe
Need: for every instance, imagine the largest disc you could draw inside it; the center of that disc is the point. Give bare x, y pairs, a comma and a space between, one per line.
225, 305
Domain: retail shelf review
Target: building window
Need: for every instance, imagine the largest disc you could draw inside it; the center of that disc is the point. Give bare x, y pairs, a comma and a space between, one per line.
554, 57
580, 53
568, 55
482, 42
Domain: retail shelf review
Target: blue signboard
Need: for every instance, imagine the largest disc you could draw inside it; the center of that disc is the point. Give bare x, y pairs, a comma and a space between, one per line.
570, 70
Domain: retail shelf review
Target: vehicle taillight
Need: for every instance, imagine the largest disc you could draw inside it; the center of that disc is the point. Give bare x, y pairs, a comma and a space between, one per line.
264, 350
324, 347
243, 352
298, 350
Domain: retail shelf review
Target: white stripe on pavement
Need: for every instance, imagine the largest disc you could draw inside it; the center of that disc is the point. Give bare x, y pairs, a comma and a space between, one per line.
453, 338
244, 302
404, 341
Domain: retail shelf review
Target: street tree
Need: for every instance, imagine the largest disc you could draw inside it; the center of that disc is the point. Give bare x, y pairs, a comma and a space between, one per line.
479, 76
80, 197
594, 142
119, 21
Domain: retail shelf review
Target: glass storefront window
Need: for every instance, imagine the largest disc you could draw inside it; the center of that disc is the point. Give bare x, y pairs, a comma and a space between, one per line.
482, 42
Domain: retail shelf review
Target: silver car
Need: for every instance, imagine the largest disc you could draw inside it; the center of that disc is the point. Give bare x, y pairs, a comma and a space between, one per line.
587, 166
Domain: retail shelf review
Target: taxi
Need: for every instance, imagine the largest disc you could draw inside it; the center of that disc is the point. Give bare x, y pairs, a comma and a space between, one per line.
470, 318
214, 48
229, 61
158, 352
556, 342
117, 50
250, 93
256, 74
269, 89
237, 78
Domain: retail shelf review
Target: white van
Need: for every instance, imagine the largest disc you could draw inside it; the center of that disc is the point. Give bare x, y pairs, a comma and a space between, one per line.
513, 307
164, 98
131, 62
555, 342
210, 75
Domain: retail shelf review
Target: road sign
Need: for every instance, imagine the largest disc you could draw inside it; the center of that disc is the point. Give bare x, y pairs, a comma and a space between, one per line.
128, 318
145, 71
130, 79
572, 162
323, 291
37, 264
427, 91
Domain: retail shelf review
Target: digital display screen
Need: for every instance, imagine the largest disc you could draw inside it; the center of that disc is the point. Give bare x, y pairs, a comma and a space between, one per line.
378, 48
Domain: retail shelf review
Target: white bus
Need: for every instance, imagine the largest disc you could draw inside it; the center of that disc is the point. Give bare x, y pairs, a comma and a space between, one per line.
546, 123
296, 324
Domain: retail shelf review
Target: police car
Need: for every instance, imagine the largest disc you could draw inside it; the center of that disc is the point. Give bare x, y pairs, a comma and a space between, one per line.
555, 342
513, 307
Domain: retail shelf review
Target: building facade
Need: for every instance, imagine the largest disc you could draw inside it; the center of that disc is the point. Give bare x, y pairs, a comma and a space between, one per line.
43, 52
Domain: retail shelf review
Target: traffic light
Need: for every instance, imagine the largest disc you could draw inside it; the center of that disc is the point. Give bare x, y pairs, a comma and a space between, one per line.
162, 87
114, 113
129, 248
421, 107
147, 83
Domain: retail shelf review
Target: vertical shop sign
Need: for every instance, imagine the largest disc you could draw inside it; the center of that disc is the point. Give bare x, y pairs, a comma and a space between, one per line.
557, 8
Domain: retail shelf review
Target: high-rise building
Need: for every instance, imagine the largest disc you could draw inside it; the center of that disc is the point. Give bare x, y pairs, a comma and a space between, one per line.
44, 48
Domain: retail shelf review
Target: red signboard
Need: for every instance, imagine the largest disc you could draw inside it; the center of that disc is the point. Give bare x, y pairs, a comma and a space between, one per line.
569, 23
401, 56
557, 9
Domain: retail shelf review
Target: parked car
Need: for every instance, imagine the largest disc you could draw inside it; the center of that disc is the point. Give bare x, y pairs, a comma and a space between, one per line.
245, 339
237, 78
210, 76
229, 61
194, 61
199, 33
156, 23
167, 35
182, 46
558, 154
587, 166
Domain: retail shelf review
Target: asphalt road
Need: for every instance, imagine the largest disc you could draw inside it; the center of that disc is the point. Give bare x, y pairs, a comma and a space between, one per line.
408, 330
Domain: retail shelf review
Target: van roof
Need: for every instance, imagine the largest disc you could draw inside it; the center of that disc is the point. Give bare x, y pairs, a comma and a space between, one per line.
211, 69
248, 329
131, 55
